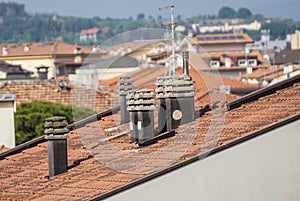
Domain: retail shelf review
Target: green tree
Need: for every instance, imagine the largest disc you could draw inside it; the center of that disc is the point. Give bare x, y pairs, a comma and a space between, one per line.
30, 118
243, 13
140, 16
226, 12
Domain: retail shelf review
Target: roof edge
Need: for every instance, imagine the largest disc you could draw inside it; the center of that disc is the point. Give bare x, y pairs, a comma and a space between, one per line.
93, 118
23, 146
263, 92
202, 156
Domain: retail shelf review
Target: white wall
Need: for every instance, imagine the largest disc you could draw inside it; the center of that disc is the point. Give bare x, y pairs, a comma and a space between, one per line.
7, 128
265, 168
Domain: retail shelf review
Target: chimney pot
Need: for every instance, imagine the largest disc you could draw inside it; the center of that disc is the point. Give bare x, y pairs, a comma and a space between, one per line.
141, 105
125, 86
56, 135
185, 56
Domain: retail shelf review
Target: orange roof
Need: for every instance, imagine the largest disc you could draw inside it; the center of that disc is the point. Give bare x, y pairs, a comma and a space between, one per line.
224, 38
90, 31
99, 168
41, 49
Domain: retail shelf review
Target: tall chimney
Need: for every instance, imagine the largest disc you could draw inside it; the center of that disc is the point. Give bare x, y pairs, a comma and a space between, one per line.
161, 101
185, 57
125, 86
141, 106
56, 135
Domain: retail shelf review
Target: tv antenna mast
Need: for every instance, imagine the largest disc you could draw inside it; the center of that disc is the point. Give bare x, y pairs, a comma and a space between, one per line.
172, 63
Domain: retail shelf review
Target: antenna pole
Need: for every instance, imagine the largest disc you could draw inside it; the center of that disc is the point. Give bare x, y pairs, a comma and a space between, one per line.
172, 63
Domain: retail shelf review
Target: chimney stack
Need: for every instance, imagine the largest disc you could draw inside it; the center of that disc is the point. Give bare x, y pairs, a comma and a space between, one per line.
56, 135
179, 93
185, 57
175, 95
141, 105
125, 86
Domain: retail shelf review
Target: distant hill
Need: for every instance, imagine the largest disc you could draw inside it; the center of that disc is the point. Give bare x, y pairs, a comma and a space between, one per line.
17, 26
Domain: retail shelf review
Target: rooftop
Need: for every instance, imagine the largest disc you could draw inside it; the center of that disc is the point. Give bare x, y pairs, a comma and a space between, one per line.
39, 49
226, 38
102, 161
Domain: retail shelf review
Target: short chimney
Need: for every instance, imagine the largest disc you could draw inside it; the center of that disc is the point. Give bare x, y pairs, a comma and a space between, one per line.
141, 105
26, 48
4, 51
42, 72
125, 86
56, 135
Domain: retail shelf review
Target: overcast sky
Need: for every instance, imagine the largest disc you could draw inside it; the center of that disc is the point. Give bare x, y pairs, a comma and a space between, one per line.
185, 8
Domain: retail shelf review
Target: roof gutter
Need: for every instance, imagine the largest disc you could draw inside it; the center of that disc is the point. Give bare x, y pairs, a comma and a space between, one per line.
196, 158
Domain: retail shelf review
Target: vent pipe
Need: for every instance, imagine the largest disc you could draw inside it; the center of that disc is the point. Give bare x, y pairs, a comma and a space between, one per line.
185, 57
141, 105
125, 86
56, 135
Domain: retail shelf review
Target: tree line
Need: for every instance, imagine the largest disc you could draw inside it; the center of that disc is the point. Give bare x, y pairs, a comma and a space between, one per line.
17, 26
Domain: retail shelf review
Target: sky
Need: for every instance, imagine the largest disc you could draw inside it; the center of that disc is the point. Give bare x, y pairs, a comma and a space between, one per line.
131, 8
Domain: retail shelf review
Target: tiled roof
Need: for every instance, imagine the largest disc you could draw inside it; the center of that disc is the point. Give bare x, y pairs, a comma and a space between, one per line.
40, 49
287, 56
100, 164
203, 39
48, 90
89, 31
205, 83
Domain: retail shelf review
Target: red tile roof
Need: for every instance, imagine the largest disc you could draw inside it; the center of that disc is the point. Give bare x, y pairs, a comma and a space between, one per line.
205, 83
41, 49
99, 165
50, 91
89, 31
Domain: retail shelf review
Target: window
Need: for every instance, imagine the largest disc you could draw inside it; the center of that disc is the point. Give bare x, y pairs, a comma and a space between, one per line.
242, 62
214, 64
252, 62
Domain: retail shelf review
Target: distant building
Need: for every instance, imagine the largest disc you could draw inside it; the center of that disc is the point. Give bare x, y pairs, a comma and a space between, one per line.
31, 55
295, 40
227, 27
229, 63
9, 72
265, 43
7, 110
89, 34
217, 42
